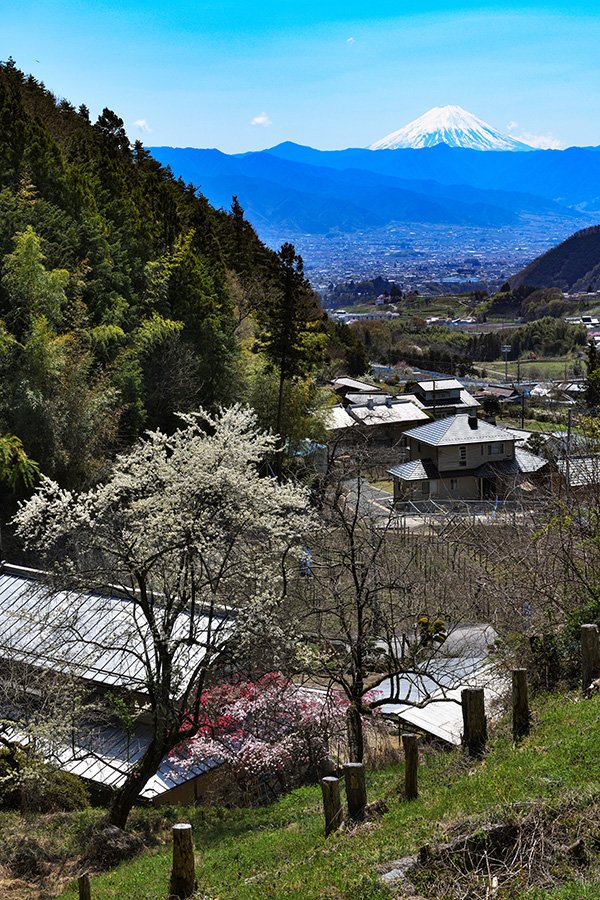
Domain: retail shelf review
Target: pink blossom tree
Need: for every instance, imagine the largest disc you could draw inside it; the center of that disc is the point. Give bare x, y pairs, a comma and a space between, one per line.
268, 728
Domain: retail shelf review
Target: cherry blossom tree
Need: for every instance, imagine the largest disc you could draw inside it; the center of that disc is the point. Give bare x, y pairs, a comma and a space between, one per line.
196, 543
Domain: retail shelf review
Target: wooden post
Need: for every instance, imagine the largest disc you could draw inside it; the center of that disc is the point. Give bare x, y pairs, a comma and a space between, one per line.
332, 804
520, 704
356, 790
474, 722
85, 890
183, 875
411, 765
590, 655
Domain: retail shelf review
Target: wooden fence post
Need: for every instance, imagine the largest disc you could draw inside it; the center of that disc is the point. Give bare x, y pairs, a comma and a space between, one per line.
356, 790
520, 704
410, 744
183, 874
590, 655
474, 721
85, 890
332, 803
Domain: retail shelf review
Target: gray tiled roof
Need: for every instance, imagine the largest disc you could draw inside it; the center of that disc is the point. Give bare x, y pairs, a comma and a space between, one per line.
524, 463
388, 415
579, 471
529, 462
415, 470
456, 430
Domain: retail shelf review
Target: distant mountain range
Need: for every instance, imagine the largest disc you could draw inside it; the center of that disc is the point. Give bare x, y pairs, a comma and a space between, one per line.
572, 266
301, 190
450, 125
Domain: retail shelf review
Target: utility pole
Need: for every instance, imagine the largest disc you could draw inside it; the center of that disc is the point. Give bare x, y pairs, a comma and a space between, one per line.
522, 409
506, 348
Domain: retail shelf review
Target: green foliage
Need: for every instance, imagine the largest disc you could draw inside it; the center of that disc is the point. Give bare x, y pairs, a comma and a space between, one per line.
16, 468
115, 311
544, 337
346, 350
62, 791
571, 266
301, 417
291, 337
31, 291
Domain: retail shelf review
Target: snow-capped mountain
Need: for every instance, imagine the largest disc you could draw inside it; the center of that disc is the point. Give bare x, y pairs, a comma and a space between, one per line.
449, 125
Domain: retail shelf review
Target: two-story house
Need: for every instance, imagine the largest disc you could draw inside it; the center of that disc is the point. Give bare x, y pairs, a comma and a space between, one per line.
462, 458
443, 397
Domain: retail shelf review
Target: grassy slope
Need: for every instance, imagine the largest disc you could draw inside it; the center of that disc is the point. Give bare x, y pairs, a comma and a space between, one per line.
280, 851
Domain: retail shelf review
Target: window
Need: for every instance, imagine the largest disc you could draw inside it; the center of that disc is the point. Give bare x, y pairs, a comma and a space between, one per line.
496, 449
453, 484
462, 456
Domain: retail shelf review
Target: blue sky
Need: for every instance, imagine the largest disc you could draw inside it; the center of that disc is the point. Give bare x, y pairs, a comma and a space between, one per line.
247, 75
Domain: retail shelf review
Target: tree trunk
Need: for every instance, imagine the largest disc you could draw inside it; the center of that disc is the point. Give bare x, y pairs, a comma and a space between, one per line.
279, 456
354, 730
130, 790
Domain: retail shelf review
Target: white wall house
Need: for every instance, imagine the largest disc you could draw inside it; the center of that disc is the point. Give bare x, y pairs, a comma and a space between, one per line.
461, 458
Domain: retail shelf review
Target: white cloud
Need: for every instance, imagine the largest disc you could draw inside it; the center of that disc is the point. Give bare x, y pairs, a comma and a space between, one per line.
350, 40
262, 119
142, 125
510, 126
540, 141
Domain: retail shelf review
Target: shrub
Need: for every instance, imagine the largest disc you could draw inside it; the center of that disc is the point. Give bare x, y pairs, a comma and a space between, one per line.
62, 791
27, 783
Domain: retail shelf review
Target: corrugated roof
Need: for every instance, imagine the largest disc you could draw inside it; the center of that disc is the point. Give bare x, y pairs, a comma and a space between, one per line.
439, 693
457, 430
361, 399
442, 384
337, 418
105, 754
354, 385
94, 637
529, 462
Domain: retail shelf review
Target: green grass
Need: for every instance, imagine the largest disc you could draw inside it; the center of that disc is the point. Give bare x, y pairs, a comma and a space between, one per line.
550, 368
383, 484
279, 851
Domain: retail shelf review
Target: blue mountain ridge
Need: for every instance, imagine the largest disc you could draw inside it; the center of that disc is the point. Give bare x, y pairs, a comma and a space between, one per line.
313, 191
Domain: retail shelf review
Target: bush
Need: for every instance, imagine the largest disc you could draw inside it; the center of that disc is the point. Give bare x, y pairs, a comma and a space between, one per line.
28, 783
9, 782
62, 791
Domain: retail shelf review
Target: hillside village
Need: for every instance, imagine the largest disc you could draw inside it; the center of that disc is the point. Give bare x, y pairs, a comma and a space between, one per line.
255, 554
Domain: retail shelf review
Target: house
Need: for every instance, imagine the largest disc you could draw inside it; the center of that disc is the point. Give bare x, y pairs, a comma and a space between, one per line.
380, 421
343, 386
99, 640
443, 397
462, 458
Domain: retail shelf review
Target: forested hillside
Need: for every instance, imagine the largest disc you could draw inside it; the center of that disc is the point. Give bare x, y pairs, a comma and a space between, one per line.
573, 265
124, 296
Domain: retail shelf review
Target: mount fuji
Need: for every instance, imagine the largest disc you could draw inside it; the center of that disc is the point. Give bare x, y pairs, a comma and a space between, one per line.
449, 125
